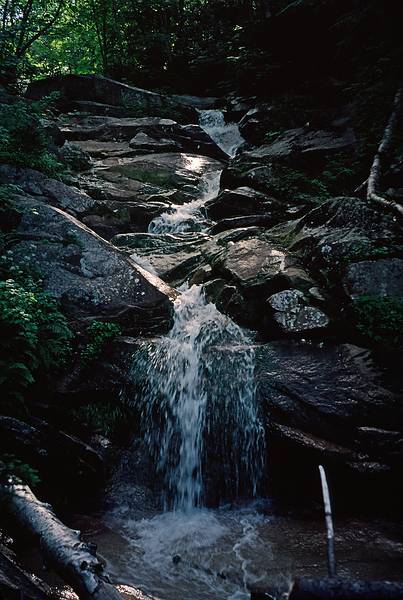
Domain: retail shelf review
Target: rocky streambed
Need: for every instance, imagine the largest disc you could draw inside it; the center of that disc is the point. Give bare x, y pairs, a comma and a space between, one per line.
183, 235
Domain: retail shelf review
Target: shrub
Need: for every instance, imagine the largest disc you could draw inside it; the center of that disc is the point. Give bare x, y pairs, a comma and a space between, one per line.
34, 336
100, 333
23, 139
13, 470
380, 320
107, 417
290, 184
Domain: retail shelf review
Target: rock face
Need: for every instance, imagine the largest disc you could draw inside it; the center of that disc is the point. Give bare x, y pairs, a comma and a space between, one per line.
61, 459
304, 145
95, 88
327, 402
383, 277
242, 201
143, 135
68, 198
89, 276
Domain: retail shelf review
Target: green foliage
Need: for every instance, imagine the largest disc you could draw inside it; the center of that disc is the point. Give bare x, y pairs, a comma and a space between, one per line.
100, 334
13, 471
34, 334
106, 417
380, 319
342, 174
23, 139
290, 184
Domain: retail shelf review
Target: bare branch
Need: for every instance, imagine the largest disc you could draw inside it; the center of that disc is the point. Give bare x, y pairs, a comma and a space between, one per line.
331, 559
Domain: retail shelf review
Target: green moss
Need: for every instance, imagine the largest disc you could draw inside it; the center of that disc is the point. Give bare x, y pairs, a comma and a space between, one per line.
380, 320
160, 177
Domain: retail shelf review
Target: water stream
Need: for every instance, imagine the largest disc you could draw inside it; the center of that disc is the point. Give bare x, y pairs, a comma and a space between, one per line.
201, 425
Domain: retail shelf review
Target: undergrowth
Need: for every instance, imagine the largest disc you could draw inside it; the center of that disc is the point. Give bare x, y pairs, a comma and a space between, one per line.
23, 138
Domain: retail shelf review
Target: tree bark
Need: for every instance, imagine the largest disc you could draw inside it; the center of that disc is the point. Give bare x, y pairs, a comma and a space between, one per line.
74, 560
384, 148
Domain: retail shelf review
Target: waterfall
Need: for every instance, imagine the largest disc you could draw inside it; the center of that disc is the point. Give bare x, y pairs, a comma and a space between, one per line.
198, 382
186, 218
197, 400
226, 135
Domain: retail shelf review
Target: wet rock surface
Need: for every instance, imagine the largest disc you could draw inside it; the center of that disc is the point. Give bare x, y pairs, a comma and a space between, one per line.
88, 275
333, 403
289, 267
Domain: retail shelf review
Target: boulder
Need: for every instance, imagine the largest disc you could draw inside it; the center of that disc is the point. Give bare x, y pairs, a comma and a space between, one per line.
382, 277
243, 201
173, 257
330, 404
95, 88
304, 145
254, 220
293, 315
91, 278
255, 124
150, 134
87, 107
160, 172
340, 231
142, 143
111, 129
111, 218
75, 157
37, 184
254, 263
98, 149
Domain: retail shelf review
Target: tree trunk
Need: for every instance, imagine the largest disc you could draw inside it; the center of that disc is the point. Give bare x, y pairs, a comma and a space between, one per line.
74, 560
373, 193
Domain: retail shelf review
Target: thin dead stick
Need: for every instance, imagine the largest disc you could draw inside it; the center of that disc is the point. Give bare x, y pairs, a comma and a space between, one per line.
331, 558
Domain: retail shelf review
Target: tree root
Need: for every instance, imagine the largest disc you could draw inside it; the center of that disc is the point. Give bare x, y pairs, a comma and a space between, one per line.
383, 150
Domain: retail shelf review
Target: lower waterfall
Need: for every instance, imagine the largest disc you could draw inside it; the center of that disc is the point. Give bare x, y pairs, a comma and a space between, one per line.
199, 380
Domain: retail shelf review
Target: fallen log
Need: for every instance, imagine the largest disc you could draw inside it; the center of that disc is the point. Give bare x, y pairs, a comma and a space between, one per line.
384, 148
337, 588
62, 548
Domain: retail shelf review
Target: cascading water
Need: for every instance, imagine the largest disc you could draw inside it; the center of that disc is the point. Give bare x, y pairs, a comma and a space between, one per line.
226, 135
196, 394
189, 378
187, 218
